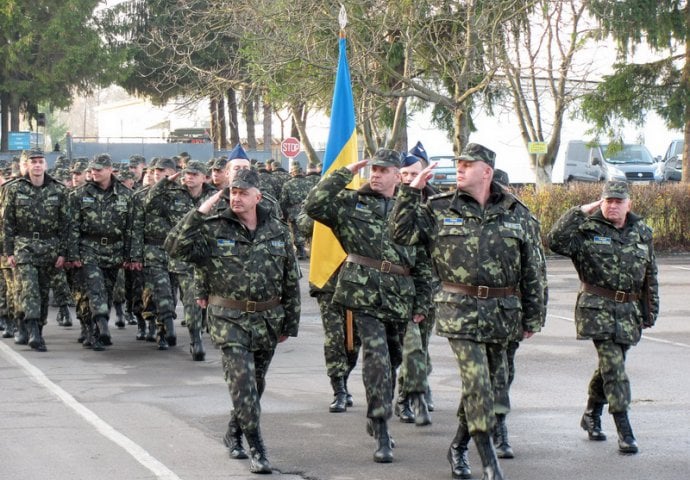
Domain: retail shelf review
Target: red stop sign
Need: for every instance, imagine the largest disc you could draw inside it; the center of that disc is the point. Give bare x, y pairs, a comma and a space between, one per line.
290, 147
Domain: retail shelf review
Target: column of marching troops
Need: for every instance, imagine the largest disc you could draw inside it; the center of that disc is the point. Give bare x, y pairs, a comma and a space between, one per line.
224, 236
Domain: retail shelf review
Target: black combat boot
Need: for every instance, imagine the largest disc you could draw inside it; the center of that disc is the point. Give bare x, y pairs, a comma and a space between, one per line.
384, 449
626, 439
349, 401
21, 336
35, 336
591, 421
10, 328
196, 345
64, 319
151, 334
492, 471
88, 337
130, 318
141, 328
339, 403
162, 341
233, 440
257, 453
403, 409
119, 315
101, 322
420, 409
503, 448
457, 454
170, 336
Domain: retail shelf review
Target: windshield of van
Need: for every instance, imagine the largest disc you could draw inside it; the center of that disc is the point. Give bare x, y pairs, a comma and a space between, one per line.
631, 154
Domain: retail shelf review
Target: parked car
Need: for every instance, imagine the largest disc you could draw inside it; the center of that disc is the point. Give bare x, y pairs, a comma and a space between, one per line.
631, 163
444, 173
673, 162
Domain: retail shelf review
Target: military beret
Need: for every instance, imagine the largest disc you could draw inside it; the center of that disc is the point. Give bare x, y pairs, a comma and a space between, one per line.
245, 178
386, 158
475, 152
410, 160
238, 152
616, 190
419, 151
100, 161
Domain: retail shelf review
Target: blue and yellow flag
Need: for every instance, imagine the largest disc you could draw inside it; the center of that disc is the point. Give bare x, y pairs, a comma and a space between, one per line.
341, 150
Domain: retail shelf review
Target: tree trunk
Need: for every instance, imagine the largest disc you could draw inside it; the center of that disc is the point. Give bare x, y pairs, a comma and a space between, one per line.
250, 118
222, 129
460, 130
268, 127
232, 120
4, 117
297, 122
297, 117
213, 110
15, 112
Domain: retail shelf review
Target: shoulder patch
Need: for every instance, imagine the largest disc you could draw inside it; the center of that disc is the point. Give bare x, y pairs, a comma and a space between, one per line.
454, 221
601, 240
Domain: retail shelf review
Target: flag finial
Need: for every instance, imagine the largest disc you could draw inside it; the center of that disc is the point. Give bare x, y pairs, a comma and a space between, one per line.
342, 17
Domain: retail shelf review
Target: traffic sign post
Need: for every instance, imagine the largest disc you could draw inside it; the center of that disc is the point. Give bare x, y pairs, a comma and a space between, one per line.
290, 147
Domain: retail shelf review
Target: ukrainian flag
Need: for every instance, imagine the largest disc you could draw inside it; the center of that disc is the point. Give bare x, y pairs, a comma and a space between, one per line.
341, 150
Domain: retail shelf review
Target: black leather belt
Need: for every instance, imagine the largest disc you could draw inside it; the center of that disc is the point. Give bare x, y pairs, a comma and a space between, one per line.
382, 265
480, 291
248, 306
616, 295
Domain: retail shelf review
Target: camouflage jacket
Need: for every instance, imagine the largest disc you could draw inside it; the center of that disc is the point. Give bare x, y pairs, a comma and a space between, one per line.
359, 221
241, 265
620, 260
101, 224
35, 220
495, 246
293, 195
157, 210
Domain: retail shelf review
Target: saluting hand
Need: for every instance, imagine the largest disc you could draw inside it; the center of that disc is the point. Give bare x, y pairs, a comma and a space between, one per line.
424, 176
590, 208
210, 202
357, 166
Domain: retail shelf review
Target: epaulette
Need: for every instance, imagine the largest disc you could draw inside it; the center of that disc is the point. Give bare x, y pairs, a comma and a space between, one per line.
442, 195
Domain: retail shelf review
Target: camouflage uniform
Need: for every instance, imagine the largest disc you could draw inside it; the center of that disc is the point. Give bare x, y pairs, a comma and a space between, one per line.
383, 302
292, 197
620, 264
251, 279
101, 222
34, 220
491, 267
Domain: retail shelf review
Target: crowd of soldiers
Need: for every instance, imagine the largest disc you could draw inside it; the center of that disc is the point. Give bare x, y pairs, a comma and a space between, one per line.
225, 237
91, 231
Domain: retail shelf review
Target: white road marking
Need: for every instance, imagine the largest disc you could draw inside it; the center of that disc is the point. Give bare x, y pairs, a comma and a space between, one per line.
136, 451
680, 268
646, 336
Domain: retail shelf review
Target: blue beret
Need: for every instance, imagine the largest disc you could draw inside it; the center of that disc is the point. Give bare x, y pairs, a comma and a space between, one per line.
238, 152
419, 151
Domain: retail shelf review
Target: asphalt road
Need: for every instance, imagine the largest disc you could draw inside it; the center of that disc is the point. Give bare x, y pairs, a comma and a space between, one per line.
133, 412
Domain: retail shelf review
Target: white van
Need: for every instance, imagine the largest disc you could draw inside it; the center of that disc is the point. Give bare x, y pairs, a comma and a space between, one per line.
632, 163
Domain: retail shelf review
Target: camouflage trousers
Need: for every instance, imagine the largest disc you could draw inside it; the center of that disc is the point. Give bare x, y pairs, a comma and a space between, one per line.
245, 373
97, 285
193, 313
33, 284
119, 292
482, 373
416, 363
502, 393
610, 383
12, 296
339, 362
298, 237
157, 281
381, 357
6, 302
61, 291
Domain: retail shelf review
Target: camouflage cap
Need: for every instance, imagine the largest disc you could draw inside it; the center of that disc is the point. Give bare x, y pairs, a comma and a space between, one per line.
153, 163
35, 153
4, 164
219, 163
127, 175
501, 176
164, 163
195, 166
135, 160
475, 152
100, 161
245, 178
79, 166
616, 190
386, 158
